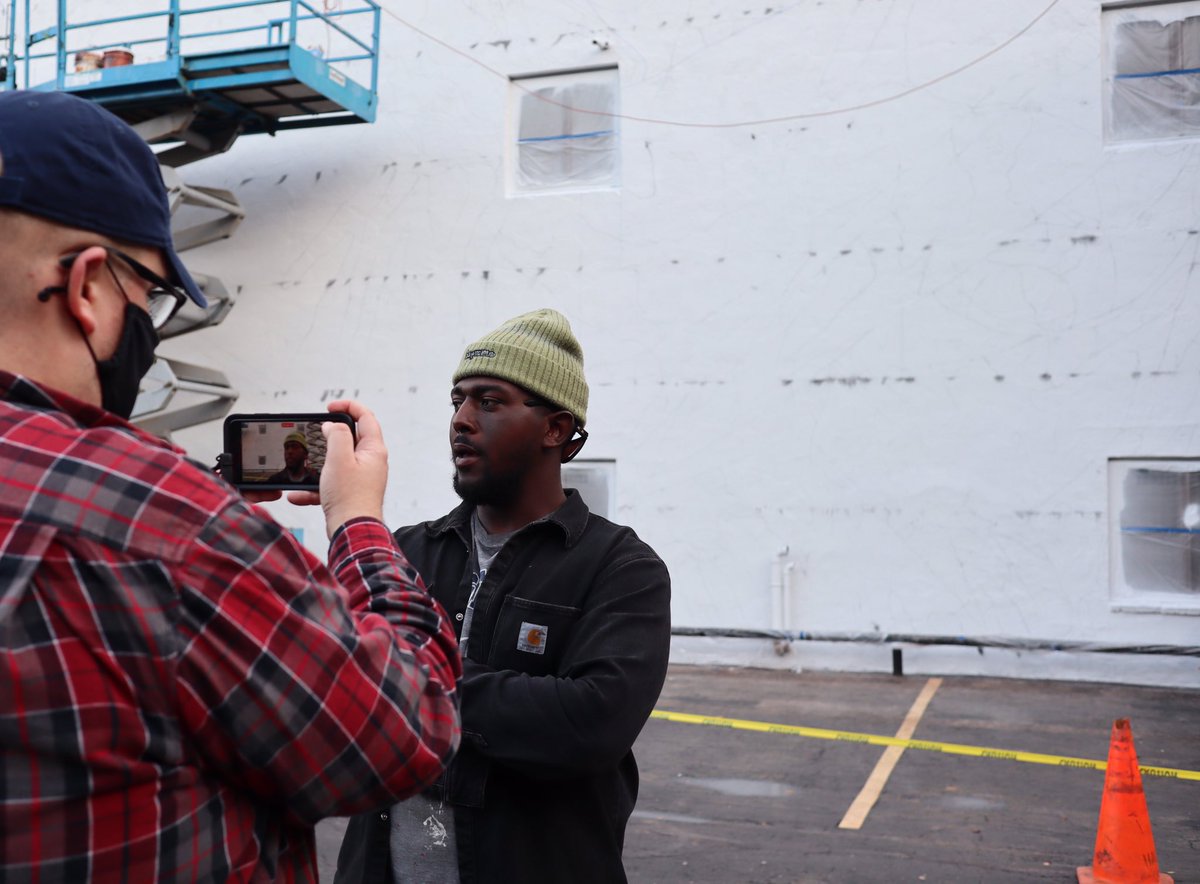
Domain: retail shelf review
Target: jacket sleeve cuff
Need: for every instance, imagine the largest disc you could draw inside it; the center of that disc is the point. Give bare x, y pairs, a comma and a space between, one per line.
356, 536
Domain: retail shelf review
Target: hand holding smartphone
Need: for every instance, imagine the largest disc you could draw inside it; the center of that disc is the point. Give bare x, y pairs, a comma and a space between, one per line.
346, 475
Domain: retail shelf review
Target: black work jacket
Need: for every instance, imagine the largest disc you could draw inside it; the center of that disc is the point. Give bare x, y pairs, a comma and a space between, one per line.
567, 655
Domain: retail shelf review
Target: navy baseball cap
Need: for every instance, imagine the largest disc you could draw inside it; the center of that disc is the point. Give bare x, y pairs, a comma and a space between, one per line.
71, 161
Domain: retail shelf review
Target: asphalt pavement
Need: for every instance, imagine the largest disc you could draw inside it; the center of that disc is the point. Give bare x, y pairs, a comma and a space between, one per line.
767, 776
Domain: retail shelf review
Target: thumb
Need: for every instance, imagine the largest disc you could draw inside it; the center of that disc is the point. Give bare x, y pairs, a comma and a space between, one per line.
339, 442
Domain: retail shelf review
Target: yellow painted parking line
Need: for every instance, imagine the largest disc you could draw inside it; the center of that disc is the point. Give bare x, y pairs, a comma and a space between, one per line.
856, 814
819, 733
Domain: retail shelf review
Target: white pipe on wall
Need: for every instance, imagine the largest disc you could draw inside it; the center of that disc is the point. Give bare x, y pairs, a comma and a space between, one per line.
789, 568
780, 571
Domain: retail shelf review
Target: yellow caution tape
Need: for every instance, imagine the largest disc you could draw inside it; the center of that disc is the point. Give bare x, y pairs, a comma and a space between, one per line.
820, 733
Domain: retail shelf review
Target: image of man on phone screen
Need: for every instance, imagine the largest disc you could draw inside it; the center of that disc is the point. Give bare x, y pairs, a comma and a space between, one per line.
295, 462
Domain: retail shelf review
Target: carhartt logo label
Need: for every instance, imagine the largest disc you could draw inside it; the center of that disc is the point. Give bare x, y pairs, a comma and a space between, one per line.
532, 638
480, 354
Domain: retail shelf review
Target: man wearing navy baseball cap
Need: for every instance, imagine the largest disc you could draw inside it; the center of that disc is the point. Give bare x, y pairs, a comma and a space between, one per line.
184, 689
85, 182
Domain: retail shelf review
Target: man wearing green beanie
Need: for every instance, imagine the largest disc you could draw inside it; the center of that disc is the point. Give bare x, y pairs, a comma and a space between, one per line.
564, 626
295, 462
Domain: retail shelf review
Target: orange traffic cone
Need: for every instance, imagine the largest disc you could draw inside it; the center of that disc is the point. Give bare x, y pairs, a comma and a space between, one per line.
1124, 844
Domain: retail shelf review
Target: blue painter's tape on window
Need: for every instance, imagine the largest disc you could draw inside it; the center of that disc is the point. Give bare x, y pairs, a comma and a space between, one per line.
1148, 530
1157, 74
567, 137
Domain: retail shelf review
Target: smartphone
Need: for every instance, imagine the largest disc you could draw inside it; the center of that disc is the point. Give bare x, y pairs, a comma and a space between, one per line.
277, 452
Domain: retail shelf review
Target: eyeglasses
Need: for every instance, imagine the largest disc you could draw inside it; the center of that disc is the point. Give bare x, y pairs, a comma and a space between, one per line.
163, 300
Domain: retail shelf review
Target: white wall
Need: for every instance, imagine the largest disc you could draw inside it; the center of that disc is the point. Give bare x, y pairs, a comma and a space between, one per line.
900, 341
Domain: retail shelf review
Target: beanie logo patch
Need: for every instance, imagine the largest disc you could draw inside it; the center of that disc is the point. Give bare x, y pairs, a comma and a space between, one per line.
480, 354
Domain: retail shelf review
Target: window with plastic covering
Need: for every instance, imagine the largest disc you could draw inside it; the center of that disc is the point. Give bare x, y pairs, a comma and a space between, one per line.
596, 482
1152, 71
564, 135
1154, 535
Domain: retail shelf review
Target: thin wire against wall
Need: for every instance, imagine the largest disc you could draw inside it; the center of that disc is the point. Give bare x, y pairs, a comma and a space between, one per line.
808, 115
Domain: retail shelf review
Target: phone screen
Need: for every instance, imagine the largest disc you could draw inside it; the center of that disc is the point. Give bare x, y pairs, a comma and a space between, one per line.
274, 451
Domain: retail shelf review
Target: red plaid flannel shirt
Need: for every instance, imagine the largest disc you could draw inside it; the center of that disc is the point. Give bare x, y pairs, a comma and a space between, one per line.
184, 689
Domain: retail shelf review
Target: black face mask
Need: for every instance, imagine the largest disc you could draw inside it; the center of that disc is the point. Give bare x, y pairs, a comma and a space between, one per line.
121, 373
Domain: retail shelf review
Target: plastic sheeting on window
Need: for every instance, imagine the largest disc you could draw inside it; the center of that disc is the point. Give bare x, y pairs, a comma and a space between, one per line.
566, 133
1153, 71
1160, 530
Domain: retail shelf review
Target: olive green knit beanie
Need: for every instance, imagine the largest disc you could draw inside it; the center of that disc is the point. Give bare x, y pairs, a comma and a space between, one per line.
536, 351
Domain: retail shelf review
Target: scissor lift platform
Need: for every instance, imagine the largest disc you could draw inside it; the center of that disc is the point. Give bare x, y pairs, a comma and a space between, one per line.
192, 79
200, 92
266, 90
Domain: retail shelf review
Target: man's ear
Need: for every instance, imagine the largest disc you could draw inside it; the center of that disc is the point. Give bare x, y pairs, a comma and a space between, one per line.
560, 434
82, 291
560, 427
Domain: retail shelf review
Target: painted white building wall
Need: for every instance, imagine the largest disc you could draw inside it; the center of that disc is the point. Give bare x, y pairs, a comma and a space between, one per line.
900, 341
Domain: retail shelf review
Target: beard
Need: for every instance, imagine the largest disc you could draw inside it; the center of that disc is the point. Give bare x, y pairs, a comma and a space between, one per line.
489, 489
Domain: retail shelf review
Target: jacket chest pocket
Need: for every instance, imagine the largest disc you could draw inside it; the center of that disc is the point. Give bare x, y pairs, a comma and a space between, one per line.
530, 636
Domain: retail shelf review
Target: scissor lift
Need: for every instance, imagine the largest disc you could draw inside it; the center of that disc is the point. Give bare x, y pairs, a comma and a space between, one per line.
192, 79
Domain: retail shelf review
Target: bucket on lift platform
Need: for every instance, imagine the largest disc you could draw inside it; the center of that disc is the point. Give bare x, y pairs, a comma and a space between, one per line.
87, 61
115, 58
